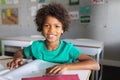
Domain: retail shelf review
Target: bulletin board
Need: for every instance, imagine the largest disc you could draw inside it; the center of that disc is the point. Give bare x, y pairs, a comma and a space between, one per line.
9, 16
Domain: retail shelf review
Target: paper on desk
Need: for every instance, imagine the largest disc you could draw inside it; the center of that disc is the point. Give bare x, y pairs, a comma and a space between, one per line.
37, 68
34, 68
4, 71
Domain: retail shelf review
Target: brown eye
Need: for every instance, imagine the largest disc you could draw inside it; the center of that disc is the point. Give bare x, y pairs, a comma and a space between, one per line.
57, 26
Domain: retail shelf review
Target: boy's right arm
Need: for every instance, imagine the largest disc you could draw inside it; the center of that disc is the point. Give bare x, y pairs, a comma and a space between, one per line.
17, 59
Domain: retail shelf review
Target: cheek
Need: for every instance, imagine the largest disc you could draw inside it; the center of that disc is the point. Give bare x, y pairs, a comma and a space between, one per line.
60, 32
44, 31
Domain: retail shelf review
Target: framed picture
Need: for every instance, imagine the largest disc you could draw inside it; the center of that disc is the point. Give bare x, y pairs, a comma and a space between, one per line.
74, 15
9, 16
41, 1
85, 9
97, 1
73, 2
85, 19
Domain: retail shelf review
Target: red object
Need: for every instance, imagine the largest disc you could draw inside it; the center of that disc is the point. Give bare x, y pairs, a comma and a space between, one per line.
55, 77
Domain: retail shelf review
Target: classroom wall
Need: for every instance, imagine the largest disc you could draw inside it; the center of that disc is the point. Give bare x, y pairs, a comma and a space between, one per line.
26, 25
104, 26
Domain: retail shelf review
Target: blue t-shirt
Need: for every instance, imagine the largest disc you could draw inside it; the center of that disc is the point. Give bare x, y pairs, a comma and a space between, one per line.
65, 53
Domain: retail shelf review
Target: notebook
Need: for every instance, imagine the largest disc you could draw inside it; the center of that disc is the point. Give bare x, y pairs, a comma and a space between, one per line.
55, 77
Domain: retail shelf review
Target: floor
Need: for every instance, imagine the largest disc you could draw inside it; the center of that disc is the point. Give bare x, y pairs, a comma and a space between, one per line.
111, 73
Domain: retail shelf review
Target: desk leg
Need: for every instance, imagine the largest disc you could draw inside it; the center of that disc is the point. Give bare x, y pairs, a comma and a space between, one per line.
3, 49
101, 72
98, 60
100, 57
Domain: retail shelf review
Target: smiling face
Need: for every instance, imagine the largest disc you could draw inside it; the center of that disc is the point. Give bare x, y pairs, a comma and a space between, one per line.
52, 29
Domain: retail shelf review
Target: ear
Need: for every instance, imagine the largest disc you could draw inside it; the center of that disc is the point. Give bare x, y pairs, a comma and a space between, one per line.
62, 32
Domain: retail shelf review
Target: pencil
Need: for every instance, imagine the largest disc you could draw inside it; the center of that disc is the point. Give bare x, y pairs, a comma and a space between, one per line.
5, 58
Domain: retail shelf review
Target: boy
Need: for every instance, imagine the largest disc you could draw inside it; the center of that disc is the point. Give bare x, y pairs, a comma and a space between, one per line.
52, 21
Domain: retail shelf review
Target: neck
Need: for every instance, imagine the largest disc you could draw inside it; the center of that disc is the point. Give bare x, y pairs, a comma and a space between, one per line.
52, 45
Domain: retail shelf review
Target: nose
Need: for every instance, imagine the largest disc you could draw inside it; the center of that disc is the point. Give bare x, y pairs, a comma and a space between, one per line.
51, 29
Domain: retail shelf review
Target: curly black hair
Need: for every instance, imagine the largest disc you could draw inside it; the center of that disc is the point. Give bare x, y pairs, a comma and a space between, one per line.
53, 9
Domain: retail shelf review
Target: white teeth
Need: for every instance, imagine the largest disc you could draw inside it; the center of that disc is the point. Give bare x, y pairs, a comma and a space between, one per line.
51, 35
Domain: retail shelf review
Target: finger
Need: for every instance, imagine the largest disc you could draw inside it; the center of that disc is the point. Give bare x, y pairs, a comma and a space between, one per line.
12, 64
17, 62
20, 62
8, 64
55, 70
48, 70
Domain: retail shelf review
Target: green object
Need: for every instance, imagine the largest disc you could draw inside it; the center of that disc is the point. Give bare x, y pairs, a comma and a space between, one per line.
85, 9
85, 19
73, 2
3, 1
0, 46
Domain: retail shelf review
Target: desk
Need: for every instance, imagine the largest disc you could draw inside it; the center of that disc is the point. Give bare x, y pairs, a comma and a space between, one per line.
37, 68
92, 48
21, 41
87, 46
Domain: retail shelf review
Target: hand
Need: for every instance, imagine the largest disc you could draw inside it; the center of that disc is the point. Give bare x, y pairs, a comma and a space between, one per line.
14, 64
56, 69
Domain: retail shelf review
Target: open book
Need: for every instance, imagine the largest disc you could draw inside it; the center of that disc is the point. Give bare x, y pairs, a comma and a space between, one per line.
37, 68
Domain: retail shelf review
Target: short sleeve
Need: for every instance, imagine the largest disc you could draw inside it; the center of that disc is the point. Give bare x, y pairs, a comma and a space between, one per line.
27, 52
74, 53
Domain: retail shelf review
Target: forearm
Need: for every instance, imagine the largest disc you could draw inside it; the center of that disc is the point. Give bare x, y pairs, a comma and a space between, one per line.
19, 54
83, 65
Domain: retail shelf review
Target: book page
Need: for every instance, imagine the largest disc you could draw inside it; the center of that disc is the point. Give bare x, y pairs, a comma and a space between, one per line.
34, 68
38, 68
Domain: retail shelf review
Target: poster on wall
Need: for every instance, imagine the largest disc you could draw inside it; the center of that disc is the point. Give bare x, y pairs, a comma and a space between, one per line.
2, 2
33, 10
97, 1
9, 16
73, 2
40, 5
85, 19
8, 1
85, 9
15, 1
41, 1
74, 15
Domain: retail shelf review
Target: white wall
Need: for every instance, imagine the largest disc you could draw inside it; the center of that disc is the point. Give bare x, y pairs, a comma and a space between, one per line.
105, 26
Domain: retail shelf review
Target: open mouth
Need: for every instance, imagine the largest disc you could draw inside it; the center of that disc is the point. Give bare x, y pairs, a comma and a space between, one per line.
51, 35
